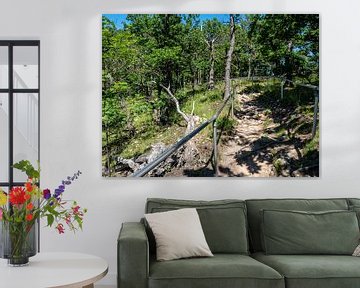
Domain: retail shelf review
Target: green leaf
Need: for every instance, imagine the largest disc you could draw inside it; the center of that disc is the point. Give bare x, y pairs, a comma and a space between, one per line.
26, 167
50, 219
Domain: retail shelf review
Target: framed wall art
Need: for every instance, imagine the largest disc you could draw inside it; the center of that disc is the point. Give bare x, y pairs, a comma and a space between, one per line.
204, 95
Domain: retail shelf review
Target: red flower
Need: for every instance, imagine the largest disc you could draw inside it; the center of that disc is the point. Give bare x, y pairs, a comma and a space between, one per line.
75, 209
17, 196
68, 219
60, 228
27, 196
29, 187
29, 206
29, 217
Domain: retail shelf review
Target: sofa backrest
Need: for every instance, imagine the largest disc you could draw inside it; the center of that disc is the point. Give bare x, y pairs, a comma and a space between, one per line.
256, 205
353, 202
223, 221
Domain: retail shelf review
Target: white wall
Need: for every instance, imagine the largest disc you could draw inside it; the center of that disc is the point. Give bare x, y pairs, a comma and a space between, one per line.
70, 34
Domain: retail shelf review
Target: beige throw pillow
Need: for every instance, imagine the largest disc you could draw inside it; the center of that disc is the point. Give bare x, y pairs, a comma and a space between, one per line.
178, 234
357, 251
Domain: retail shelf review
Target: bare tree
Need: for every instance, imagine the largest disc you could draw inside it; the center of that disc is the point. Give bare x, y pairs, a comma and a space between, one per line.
229, 57
212, 30
191, 150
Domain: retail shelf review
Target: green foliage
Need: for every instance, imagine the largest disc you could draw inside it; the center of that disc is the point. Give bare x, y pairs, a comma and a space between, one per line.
267, 122
212, 29
26, 167
278, 165
214, 94
289, 43
206, 101
312, 145
281, 132
267, 112
141, 113
226, 124
142, 143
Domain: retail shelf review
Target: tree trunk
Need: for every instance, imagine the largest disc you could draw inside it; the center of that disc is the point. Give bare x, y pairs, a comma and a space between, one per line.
193, 77
249, 68
229, 57
212, 63
288, 63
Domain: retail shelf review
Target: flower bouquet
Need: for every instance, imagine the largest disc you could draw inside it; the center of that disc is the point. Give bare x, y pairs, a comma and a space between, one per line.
21, 208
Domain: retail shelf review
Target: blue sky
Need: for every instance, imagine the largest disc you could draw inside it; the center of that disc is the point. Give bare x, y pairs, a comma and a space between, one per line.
118, 19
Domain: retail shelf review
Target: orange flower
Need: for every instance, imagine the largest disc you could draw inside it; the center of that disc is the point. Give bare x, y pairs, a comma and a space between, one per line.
29, 206
29, 217
29, 187
27, 196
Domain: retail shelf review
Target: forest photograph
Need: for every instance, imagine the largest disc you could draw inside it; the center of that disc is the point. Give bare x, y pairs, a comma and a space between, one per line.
210, 95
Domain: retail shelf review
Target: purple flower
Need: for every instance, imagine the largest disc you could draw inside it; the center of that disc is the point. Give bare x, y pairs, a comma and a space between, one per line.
58, 192
64, 183
46, 194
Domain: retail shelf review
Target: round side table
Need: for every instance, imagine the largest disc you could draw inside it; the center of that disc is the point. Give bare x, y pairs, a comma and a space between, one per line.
54, 270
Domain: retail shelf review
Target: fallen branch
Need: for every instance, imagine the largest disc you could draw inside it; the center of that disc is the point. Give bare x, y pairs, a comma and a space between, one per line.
176, 101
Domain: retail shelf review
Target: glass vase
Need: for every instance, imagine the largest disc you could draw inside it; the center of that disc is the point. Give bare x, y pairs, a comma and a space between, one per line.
18, 242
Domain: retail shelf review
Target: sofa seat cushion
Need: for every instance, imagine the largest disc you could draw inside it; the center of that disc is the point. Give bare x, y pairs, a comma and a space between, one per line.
313, 271
222, 270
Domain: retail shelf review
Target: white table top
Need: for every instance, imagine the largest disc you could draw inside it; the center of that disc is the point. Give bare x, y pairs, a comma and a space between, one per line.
45, 270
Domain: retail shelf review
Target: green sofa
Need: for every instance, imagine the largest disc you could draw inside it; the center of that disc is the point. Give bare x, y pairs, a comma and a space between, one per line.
233, 230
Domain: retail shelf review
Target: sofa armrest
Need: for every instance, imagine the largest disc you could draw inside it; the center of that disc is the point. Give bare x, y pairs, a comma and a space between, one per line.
133, 256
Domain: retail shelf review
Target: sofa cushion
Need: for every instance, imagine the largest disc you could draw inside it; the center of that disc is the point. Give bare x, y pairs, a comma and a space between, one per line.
223, 221
297, 232
356, 209
313, 271
255, 206
222, 270
354, 205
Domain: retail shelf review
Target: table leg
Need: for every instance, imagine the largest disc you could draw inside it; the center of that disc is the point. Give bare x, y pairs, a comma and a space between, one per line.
89, 286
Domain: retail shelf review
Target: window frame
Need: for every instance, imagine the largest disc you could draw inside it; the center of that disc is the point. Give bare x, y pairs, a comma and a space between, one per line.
10, 91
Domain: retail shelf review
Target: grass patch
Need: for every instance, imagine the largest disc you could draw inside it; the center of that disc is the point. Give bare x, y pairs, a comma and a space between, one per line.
141, 144
312, 145
278, 165
281, 132
206, 102
267, 122
225, 124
